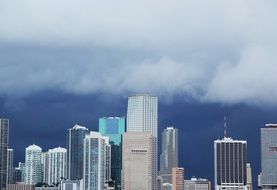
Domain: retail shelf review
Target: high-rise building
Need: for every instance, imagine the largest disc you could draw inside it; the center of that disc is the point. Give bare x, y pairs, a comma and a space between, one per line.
10, 167
56, 159
114, 127
17, 175
4, 141
75, 148
33, 165
139, 167
169, 155
197, 184
269, 156
142, 114
230, 158
177, 178
96, 159
44, 166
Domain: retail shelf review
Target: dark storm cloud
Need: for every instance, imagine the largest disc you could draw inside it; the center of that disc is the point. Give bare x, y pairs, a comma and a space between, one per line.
201, 50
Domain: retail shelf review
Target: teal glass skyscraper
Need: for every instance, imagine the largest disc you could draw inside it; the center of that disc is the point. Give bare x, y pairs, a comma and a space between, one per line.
114, 127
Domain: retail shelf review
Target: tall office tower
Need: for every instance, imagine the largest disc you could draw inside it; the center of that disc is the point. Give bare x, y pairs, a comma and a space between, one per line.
139, 167
75, 148
177, 178
142, 114
4, 141
269, 156
230, 157
249, 176
197, 184
95, 163
114, 127
33, 171
10, 167
56, 159
169, 156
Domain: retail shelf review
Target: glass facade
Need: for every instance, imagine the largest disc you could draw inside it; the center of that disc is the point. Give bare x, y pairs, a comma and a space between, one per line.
4, 140
75, 148
114, 127
269, 155
169, 156
230, 162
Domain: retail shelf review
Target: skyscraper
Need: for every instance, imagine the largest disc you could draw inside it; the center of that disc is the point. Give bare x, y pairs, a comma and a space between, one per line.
4, 141
114, 127
230, 158
169, 156
139, 167
249, 176
75, 148
56, 165
177, 178
96, 164
142, 114
33, 165
269, 156
10, 167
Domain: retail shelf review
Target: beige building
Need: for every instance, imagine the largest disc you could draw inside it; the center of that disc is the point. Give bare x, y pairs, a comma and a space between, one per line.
139, 166
177, 178
20, 186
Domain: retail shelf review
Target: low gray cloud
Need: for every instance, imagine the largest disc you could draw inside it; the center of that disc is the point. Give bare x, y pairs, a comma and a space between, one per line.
212, 51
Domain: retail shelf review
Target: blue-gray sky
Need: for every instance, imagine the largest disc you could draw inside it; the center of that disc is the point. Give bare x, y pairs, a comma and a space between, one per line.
65, 62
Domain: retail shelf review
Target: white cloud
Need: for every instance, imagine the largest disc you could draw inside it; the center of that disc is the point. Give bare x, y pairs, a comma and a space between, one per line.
220, 51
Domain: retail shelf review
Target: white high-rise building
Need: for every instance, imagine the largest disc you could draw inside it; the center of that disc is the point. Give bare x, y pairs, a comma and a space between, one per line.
33, 170
142, 114
139, 167
56, 165
249, 176
96, 161
44, 166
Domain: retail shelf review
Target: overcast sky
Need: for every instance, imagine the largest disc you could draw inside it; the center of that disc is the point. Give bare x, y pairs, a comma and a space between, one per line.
65, 61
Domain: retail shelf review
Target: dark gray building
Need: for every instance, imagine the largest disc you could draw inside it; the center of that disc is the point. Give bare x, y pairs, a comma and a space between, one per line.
230, 159
169, 155
4, 141
10, 166
269, 156
75, 147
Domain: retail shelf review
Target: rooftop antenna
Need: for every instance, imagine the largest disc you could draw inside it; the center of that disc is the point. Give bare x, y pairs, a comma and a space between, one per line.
225, 126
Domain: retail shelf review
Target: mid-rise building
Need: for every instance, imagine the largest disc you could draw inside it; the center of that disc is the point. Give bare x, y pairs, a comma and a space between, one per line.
230, 158
139, 167
197, 184
96, 161
33, 167
56, 159
169, 155
75, 148
10, 166
269, 156
167, 186
114, 127
177, 178
72, 185
20, 186
4, 141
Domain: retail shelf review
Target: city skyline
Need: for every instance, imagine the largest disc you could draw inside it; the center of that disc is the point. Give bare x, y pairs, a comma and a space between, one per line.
78, 126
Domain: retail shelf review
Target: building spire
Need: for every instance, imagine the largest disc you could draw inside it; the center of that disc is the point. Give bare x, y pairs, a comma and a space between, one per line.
225, 126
